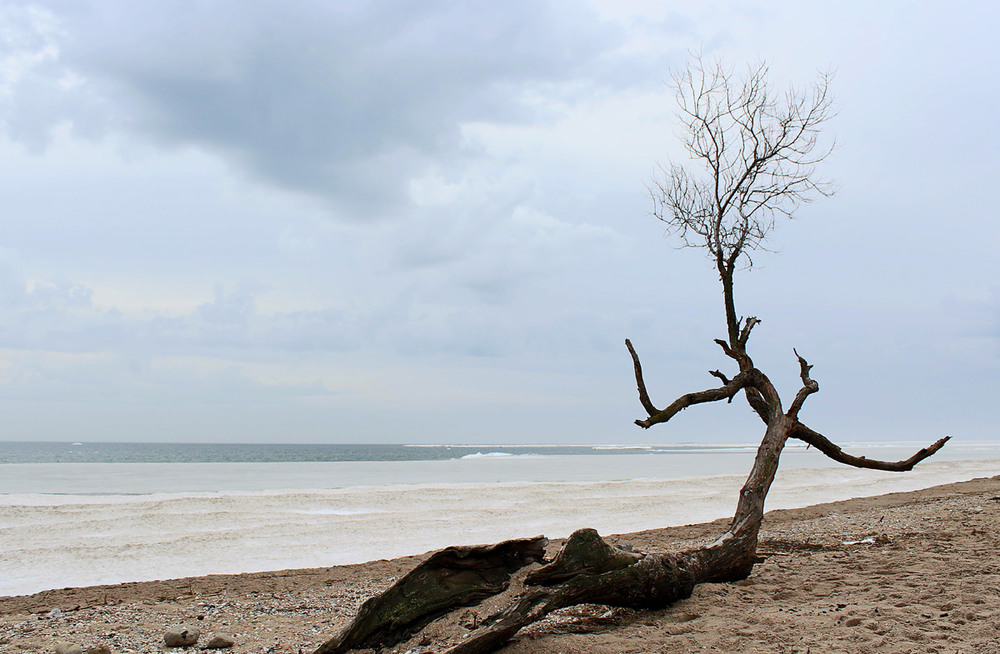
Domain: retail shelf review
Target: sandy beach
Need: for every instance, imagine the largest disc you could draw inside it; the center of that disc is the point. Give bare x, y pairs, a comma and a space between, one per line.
903, 572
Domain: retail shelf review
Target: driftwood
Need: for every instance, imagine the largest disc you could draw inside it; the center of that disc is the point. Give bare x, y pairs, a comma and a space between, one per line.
587, 569
451, 578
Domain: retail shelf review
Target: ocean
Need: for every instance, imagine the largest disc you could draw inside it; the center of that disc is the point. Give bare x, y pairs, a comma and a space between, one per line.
74, 514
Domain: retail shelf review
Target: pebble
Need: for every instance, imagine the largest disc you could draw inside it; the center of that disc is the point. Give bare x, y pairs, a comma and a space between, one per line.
99, 649
220, 641
68, 648
181, 636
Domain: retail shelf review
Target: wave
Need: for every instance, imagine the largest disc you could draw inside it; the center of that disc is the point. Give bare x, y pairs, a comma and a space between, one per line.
624, 447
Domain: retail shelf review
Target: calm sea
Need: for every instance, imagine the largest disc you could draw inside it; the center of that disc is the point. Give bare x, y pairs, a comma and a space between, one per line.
24, 452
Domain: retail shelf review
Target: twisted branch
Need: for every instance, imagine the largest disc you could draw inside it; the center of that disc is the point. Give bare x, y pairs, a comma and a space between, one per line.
643, 395
725, 392
808, 387
827, 447
757, 403
745, 332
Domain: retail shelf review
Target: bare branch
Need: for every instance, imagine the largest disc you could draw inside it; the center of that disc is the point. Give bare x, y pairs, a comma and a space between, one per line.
719, 375
747, 378
758, 149
745, 332
728, 350
833, 451
757, 403
725, 392
725, 380
643, 395
737, 353
808, 387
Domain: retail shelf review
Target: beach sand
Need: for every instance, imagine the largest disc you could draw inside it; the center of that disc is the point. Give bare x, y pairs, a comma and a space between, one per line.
904, 572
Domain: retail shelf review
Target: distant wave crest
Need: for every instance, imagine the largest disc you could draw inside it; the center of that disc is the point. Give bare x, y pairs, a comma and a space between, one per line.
622, 447
489, 455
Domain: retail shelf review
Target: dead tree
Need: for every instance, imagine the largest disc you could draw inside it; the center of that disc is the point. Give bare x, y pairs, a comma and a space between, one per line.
759, 153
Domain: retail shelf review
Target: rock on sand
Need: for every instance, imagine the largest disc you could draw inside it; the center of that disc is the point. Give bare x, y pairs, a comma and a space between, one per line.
220, 641
181, 636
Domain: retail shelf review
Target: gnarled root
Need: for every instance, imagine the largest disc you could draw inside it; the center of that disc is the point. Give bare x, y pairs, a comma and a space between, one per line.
451, 578
586, 570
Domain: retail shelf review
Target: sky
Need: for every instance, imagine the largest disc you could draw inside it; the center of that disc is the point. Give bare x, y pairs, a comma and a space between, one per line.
386, 221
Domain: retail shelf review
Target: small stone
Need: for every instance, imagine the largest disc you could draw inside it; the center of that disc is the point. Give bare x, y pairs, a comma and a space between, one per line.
68, 648
181, 636
220, 641
99, 649
55, 614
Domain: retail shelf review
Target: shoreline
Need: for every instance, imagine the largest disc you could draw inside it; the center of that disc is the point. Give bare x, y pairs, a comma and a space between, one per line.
895, 572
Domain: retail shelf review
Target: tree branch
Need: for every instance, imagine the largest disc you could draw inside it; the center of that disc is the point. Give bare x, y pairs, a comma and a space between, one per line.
728, 350
643, 395
757, 403
725, 392
824, 445
808, 387
745, 332
719, 375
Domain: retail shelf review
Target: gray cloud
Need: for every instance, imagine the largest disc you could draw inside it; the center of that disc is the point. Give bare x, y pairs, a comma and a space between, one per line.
344, 101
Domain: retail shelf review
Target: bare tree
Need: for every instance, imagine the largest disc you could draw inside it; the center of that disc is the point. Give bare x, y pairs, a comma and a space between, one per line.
758, 151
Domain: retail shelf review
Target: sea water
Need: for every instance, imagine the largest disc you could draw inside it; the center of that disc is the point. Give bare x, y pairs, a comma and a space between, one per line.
84, 514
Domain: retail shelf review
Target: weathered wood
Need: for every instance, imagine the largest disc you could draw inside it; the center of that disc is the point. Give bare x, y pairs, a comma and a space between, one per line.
824, 445
585, 552
654, 581
451, 578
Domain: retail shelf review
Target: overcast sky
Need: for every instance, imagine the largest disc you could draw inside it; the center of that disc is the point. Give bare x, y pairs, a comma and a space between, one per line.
396, 221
